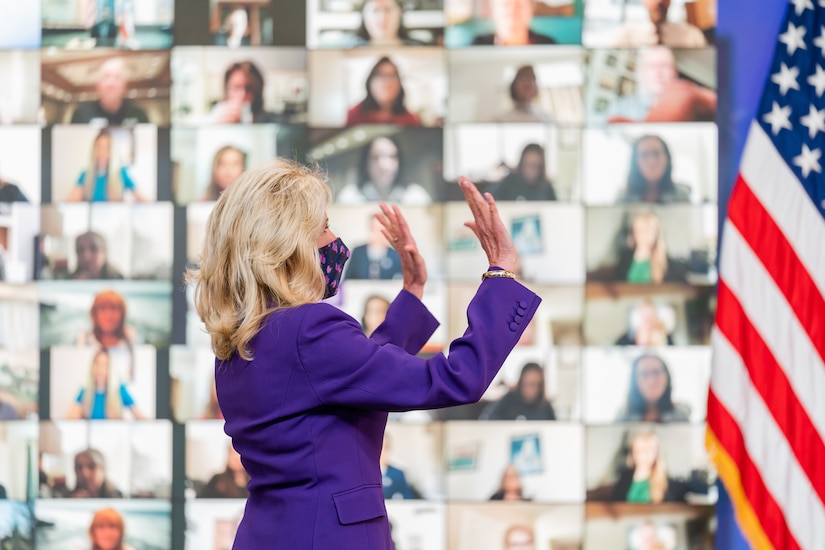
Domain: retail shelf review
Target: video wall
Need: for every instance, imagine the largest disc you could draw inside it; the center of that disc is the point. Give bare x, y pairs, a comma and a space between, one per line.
591, 122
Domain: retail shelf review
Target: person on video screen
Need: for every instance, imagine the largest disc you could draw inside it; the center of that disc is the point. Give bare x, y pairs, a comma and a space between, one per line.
109, 328
92, 258
527, 401
380, 177
648, 326
651, 174
375, 311
243, 102
231, 482
643, 259
228, 163
510, 488
529, 180
393, 480
90, 473
10, 192
524, 91
649, 398
519, 537
111, 106
374, 259
105, 179
108, 530
644, 478
384, 101
511, 25
658, 30
382, 24
662, 96
104, 397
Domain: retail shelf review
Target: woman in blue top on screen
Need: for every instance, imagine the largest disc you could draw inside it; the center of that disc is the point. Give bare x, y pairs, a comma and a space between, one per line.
110, 179
104, 396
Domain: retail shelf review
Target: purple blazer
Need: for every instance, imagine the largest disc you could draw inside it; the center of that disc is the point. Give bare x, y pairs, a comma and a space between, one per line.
308, 413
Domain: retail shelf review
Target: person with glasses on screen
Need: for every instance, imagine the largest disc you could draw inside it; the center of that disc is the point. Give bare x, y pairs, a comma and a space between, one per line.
304, 392
651, 174
659, 30
384, 101
650, 396
111, 106
511, 25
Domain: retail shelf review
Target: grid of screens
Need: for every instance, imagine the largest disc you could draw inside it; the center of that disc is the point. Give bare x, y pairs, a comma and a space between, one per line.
590, 122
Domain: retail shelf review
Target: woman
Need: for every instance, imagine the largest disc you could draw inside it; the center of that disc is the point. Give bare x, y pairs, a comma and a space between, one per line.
384, 103
510, 488
524, 402
109, 328
90, 474
649, 398
104, 396
529, 180
650, 178
304, 392
380, 177
648, 326
524, 91
375, 311
228, 163
644, 260
644, 479
243, 103
92, 261
105, 179
107, 530
231, 482
382, 25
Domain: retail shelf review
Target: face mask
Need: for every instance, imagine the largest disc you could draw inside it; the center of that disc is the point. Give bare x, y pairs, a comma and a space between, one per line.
333, 257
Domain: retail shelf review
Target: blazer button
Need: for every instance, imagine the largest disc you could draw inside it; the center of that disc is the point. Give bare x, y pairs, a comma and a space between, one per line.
521, 311
523, 304
514, 326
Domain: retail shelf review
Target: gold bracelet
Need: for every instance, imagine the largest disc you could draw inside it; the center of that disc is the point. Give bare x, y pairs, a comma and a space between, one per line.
497, 274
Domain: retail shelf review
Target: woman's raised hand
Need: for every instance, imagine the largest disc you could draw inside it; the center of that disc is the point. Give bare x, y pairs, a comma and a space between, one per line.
397, 233
488, 227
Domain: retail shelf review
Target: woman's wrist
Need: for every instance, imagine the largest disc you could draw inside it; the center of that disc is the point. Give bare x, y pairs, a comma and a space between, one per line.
416, 290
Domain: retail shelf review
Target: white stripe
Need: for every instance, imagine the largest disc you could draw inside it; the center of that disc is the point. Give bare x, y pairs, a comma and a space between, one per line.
767, 447
774, 320
777, 188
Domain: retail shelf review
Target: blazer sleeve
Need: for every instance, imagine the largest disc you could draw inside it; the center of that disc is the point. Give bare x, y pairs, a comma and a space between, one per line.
408, 324
345, 368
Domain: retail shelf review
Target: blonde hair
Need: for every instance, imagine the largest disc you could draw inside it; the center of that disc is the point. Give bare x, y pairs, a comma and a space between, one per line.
113, 403
658, 255
260, 252
114, 179
658, 472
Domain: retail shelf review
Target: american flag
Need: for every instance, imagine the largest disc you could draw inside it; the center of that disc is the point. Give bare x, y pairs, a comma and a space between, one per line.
766, 405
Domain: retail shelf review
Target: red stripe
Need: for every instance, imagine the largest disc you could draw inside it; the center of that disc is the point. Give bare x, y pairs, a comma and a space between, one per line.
773, 385
770, 516
777, 254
